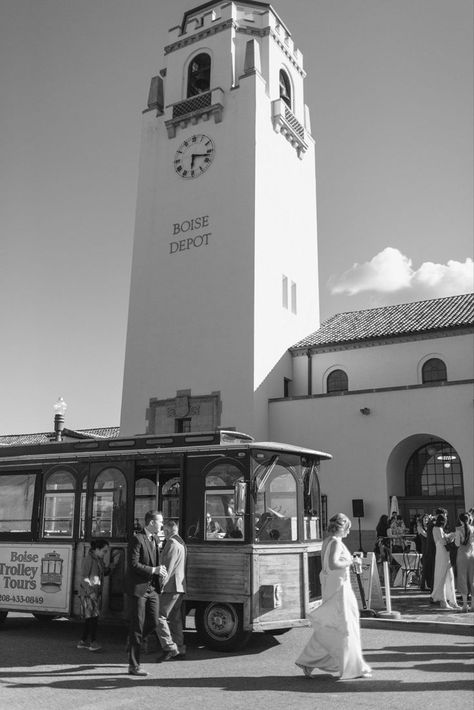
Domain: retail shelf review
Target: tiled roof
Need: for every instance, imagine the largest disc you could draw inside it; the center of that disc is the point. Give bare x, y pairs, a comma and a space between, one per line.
111, 432
392, 321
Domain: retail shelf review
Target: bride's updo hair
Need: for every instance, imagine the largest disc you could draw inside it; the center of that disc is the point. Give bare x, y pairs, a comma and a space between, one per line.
338, 523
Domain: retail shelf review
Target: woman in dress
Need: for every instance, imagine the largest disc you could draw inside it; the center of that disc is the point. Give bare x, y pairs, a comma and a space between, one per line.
443, 585
464, 539
335, 643
93, 572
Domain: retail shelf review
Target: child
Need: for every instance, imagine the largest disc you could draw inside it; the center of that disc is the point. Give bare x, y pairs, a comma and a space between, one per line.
90, 594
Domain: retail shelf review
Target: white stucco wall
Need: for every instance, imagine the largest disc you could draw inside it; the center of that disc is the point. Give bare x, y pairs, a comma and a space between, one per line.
387, 365
362, 445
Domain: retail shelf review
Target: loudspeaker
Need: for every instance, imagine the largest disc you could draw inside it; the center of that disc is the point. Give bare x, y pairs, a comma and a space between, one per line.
357, 508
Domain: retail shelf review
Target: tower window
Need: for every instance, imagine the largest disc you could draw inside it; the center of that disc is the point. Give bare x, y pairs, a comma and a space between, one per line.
199, 75
434, 370
182, 426
285, 88
293, 297
284, 291
337, 381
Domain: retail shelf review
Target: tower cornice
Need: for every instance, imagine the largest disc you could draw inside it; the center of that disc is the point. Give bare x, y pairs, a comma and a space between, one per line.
186, 41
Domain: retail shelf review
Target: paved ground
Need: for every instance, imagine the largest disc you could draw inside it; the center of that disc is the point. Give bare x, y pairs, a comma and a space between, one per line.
41, 669
414, 607
423, 659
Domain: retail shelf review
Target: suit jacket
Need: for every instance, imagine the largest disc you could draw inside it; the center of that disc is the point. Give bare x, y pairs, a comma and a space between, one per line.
142, 557
173, 556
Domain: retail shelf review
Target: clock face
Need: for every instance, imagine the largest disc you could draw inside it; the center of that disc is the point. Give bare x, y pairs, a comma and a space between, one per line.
194, 156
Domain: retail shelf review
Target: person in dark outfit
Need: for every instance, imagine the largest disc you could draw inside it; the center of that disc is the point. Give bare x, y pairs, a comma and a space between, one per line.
144, 577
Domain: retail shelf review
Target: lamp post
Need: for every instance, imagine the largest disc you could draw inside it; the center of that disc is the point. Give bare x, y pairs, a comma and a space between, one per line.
59, 411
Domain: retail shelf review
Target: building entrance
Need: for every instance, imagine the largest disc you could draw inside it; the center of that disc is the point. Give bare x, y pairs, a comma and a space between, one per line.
433, 479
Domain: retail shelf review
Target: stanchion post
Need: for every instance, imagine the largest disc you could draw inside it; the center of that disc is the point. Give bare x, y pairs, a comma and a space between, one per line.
386, 578
388, 613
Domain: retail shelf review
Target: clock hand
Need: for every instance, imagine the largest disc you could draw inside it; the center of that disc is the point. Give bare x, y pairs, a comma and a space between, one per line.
197, 155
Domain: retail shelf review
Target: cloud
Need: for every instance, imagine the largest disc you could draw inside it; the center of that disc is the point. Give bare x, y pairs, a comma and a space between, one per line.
390, 271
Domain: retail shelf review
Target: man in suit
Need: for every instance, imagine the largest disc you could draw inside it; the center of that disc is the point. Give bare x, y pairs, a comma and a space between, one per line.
170, 620
144, 575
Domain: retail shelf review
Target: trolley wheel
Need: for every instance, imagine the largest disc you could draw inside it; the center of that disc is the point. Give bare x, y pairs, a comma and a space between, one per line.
220, 626
3, 616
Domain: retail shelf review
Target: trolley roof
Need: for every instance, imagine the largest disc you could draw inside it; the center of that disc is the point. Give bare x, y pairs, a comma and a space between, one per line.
144, 444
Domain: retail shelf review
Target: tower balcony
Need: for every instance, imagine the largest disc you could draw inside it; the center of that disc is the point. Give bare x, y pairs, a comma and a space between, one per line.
286, 123
195, 109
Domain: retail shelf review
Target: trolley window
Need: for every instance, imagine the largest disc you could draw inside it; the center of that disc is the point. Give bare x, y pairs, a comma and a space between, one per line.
170, 495
17, 493
145, 499
223, 520
276, 504
58, 504
109, 504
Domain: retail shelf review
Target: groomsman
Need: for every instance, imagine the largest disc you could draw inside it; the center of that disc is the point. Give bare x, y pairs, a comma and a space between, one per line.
145, 575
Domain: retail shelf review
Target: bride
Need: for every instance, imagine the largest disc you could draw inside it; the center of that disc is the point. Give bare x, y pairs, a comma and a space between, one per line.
335, 644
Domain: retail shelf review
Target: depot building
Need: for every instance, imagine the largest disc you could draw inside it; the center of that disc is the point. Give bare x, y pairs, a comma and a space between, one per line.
223, 324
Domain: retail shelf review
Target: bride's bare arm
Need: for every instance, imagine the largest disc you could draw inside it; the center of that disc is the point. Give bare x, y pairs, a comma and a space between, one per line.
336, 557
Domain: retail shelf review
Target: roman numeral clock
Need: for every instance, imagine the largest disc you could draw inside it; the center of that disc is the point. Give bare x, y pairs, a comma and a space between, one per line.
224, 273
194, 156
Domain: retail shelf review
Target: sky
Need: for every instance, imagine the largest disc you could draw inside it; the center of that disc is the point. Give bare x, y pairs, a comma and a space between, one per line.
389, 88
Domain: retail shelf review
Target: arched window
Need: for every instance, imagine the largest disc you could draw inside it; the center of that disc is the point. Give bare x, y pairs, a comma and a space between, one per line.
199, 75
337, 381
145, 500
434, 470
170, 498
285, 88
434, 370
58, 504
108, 504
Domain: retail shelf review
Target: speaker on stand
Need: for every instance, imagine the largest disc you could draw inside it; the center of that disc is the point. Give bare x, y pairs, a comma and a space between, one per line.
358, 512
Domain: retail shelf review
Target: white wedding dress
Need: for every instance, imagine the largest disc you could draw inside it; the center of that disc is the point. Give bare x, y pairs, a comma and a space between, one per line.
443, 586
335, 643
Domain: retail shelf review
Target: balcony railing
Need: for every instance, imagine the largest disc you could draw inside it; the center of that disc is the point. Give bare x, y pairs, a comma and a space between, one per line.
194, 109
286, 123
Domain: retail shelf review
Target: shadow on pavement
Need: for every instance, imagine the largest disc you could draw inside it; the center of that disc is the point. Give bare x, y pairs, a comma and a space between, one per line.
241, 684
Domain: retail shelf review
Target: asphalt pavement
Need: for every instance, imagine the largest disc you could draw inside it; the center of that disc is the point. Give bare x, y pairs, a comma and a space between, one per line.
412, 607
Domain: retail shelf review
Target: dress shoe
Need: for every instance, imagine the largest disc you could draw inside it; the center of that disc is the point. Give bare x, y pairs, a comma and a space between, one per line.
167, 656
136, 671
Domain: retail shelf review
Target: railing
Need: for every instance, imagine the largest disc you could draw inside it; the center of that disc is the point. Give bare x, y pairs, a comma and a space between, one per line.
194, 109
195, 103
286, 123
294, 123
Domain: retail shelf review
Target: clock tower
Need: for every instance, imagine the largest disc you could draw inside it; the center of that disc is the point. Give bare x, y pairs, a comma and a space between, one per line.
225, 267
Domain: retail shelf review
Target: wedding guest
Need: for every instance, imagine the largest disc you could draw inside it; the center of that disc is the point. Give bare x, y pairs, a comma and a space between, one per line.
443, 585
464, 539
